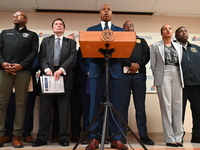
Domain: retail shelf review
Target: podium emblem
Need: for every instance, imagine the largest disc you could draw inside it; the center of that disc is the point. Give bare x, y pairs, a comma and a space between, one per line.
107, 35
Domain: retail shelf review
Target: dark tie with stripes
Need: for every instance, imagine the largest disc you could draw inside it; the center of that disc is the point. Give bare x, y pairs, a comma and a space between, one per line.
106, 26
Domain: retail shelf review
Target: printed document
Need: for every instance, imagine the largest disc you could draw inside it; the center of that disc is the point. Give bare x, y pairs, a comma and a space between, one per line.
49, 85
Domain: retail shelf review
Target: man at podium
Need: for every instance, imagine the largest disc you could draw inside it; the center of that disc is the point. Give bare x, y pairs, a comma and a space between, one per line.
97, 77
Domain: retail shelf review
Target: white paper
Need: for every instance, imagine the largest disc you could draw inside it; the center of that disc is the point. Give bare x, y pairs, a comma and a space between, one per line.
49, 85
125, 69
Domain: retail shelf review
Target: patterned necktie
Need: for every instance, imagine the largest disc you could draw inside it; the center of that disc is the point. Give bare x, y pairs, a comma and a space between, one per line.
57, 52
106, 26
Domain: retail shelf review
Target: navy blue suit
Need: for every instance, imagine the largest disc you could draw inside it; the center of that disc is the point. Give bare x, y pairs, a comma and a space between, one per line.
97, 77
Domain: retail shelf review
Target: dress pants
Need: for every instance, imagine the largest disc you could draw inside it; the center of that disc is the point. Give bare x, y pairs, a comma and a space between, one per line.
55, 125
76, 111
79, 104
135, 83
97, 95
28, 122
21, 82
85, 104
45, 117
192, 93
170, 98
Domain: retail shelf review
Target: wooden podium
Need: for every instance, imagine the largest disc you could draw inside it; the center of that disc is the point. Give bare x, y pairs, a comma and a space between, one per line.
92, 41
107, 44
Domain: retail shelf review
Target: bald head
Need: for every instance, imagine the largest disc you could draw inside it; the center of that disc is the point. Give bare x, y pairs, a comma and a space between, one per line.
20, 19
105, 13
128, 26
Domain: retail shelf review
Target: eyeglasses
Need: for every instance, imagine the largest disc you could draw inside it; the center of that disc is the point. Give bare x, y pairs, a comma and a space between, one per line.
128, 25
19, 14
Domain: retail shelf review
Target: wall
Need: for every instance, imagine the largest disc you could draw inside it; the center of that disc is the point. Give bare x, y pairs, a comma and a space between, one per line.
144, 25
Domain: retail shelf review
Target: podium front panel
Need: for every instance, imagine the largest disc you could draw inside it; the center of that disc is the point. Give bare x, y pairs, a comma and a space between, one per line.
91, 41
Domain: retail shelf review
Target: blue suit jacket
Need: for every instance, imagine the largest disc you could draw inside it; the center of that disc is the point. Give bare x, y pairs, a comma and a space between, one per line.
97, 87
97, 65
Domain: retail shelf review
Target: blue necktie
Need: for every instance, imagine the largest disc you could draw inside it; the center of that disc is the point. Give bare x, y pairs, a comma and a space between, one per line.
106, 26
57, 52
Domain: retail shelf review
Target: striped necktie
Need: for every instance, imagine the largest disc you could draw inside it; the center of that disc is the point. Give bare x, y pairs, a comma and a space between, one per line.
106, 26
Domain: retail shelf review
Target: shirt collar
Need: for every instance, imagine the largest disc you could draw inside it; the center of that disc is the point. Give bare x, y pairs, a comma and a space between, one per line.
61, 37
185, 46
103, 24
21, 28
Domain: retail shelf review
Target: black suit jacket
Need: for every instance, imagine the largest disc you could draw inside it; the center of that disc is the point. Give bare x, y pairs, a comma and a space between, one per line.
67, 57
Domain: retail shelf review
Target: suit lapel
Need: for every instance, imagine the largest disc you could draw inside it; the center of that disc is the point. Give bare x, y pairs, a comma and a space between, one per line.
64, 47
161, 49
99, 27
51, 48
113, 27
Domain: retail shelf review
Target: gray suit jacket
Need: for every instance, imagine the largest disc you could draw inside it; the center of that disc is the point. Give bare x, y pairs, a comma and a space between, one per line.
157, 60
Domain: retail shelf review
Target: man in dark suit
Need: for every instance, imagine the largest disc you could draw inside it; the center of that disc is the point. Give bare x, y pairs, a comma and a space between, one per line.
56, 66
97, 79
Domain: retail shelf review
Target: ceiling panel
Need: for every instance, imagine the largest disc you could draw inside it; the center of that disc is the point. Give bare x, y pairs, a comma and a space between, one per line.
177, 8
129, 5
67, 4
187, 8
15, 5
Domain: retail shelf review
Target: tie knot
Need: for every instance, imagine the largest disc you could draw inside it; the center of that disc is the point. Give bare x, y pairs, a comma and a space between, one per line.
57, 43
